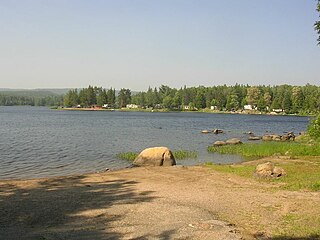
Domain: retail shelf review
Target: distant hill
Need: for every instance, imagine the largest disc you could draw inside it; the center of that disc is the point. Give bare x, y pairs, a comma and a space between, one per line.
41, 92
59, 91
34, 92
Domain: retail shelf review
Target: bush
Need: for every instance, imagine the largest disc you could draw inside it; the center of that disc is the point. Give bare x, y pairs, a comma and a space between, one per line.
314, 128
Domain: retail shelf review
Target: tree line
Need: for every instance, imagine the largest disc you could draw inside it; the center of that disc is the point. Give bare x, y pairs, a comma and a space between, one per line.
13, 100
291, 99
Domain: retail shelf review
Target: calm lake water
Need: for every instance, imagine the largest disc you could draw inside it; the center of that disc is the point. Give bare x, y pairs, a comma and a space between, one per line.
39, 142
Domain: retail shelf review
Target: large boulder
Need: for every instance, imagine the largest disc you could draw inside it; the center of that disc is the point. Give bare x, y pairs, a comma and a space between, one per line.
268, 170
233, 141
156, 156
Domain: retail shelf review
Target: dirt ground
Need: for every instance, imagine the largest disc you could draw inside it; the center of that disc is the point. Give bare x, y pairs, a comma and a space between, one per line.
148, 203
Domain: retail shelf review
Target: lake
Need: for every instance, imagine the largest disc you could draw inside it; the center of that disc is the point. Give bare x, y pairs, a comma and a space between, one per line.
39, 142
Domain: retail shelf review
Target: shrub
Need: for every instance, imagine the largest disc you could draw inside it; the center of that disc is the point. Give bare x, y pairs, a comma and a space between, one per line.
314, 128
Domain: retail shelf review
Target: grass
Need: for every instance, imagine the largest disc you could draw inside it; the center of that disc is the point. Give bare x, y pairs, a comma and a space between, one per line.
298, 226
185, 154
130, 156
265, 149
302, 174
178, 155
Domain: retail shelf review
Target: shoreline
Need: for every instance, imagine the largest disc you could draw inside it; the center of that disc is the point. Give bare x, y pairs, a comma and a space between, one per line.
182, 111
130, 203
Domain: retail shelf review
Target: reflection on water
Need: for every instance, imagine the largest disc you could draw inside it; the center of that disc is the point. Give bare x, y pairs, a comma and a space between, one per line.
38, 142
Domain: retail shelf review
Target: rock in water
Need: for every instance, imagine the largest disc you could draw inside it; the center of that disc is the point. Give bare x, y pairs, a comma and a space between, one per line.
219, 143
205, 131
233, 141
156, 156
253, 138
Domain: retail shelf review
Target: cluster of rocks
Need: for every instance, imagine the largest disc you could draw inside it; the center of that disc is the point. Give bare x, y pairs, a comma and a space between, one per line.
275, 137
272, 137
232, 141
215, 131
268, 170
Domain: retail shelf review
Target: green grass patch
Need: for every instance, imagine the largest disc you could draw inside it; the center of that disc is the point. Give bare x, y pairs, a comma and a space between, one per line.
129, 156
302, 174
178, 155
184, 154
265, 149
297, 226
241, 170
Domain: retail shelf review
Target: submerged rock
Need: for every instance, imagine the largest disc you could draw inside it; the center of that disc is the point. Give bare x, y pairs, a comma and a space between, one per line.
219, 143
205, 131
156, 156
252, 138
217, 131
233, 141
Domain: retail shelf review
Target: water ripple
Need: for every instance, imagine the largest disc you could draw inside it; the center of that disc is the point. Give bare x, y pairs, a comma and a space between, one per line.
37, 142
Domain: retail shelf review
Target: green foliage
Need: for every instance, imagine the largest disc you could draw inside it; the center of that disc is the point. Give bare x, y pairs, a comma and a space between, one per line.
317, 23
184, 154
302, 174
30, 98
265, 149
293, 99
130, 156
314, 128
124, 97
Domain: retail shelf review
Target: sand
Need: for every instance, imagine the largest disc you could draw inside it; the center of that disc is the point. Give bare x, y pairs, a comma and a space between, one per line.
147, 203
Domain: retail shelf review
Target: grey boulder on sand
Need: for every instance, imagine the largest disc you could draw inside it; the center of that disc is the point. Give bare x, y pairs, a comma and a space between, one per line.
156, 156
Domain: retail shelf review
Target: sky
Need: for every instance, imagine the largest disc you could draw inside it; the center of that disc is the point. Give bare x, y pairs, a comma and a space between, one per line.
140, 43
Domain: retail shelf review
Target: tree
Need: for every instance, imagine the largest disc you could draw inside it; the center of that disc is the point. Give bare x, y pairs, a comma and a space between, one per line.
232, 102
200, 100
317, 24
267, 99
124, 97
149, 97
111, 96
297, 99
167, 102
286, 102
71, 99
102, 97
253, 95
314, 128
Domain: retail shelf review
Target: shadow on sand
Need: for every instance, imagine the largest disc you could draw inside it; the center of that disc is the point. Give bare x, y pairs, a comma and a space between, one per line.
66, 208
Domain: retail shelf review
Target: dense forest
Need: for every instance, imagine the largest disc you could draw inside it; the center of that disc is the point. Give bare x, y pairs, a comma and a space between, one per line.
30, 98
290, 99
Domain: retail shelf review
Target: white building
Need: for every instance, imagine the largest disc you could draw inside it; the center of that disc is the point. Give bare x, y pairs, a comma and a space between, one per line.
247, 107
131, 106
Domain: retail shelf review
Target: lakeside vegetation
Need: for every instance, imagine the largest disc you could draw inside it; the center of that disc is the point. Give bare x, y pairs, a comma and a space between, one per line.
178, 155
266, 149
286, 99
302, 163
283, 98
302, 174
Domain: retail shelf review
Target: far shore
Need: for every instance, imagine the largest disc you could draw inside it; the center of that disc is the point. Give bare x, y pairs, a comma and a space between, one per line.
168, 110
152, 203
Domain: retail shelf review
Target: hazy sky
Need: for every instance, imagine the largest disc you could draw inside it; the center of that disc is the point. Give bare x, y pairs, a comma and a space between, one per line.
140, 43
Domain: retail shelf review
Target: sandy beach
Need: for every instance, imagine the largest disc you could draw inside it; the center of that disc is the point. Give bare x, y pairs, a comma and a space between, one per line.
148, 203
